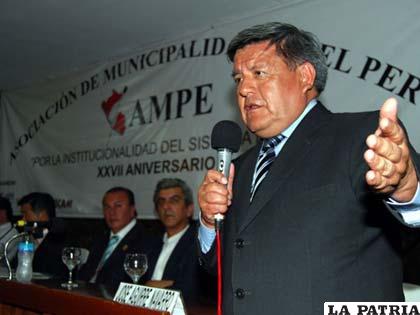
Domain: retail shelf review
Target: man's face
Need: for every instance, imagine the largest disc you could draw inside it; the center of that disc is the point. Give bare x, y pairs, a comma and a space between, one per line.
172, 210
270, 96
29, 215
117, 210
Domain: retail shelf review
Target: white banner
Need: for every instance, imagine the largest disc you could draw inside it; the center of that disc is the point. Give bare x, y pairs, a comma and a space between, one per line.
132, 121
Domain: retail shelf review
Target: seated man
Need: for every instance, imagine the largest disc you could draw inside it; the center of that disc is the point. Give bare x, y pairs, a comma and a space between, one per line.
123, 235
175, 263
7, 231
40, 207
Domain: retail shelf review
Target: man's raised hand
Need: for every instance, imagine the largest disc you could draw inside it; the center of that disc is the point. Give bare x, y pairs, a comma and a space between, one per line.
388, 157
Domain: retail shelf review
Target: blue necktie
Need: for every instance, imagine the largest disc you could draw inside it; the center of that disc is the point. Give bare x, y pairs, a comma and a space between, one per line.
265, 159
109, 248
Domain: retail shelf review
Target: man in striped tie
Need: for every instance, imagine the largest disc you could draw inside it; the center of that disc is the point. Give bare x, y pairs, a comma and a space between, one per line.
306, 209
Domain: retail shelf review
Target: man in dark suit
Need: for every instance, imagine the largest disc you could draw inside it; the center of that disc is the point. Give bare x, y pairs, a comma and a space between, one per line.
105, 264
49, 242
175, 263
305, 215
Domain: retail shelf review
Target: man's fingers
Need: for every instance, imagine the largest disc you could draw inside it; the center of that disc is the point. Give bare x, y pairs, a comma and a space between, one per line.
377, 163
372, 179
384, 148
389, 110
384, 175
388, 122
392, 130
216, 194
214, 176
213, 196
378, 182
391, 170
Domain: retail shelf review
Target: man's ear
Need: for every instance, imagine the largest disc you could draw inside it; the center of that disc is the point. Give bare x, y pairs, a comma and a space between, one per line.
307, 75
134, 211
190, 210
43, 216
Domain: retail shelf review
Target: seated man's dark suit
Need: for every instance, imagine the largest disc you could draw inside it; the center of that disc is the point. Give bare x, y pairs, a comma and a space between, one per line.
314, 231
183, 267
47, 257
137, 240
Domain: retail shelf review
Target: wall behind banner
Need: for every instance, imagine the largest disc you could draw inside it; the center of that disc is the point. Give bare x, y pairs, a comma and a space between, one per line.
149, 115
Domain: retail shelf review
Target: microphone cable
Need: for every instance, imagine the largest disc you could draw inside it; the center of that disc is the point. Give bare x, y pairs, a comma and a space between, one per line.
218, 224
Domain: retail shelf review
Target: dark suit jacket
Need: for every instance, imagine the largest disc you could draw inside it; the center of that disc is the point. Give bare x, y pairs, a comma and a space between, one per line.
47, 257
314, 232
183, 267
411, 251
112, 272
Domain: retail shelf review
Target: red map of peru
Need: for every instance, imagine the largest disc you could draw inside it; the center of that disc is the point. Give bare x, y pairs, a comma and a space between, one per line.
115, 118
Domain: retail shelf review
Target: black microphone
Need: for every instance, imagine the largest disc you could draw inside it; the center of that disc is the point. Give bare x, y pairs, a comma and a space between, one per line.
226, 139
36, 228
27, 226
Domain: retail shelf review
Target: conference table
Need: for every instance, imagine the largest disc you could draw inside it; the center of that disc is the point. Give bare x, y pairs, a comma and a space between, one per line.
46, 297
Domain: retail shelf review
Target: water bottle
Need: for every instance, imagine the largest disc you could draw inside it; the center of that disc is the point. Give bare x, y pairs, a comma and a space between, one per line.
25, 254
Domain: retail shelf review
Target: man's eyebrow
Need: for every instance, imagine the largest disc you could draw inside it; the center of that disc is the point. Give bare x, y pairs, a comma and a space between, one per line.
169, 197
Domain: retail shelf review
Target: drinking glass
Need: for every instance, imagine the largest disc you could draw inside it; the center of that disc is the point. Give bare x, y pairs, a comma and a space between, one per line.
135, 265
71, 258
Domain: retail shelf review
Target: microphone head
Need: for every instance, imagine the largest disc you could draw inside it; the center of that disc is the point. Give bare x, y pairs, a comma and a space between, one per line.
55, 225
20, 223
226, 134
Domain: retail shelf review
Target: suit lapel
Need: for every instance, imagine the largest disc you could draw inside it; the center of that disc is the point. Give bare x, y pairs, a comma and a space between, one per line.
296, 148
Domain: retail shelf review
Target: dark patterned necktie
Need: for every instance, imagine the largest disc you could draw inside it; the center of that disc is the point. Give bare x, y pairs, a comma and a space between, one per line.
265, 159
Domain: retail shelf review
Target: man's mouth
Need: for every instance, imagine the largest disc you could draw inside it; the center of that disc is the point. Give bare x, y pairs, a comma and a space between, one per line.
251, 107
169, 214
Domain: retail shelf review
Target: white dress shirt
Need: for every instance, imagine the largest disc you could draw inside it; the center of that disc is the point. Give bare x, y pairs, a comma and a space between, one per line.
168, 247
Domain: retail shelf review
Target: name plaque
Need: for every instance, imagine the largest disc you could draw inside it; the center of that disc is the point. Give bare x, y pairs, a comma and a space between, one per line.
152, 298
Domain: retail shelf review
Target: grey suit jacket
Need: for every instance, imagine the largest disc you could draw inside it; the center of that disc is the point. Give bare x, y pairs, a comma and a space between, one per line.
314, 232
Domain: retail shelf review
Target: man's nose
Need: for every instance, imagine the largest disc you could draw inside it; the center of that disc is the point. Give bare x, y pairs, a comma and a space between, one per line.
166, 204
112, 210
246, 87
